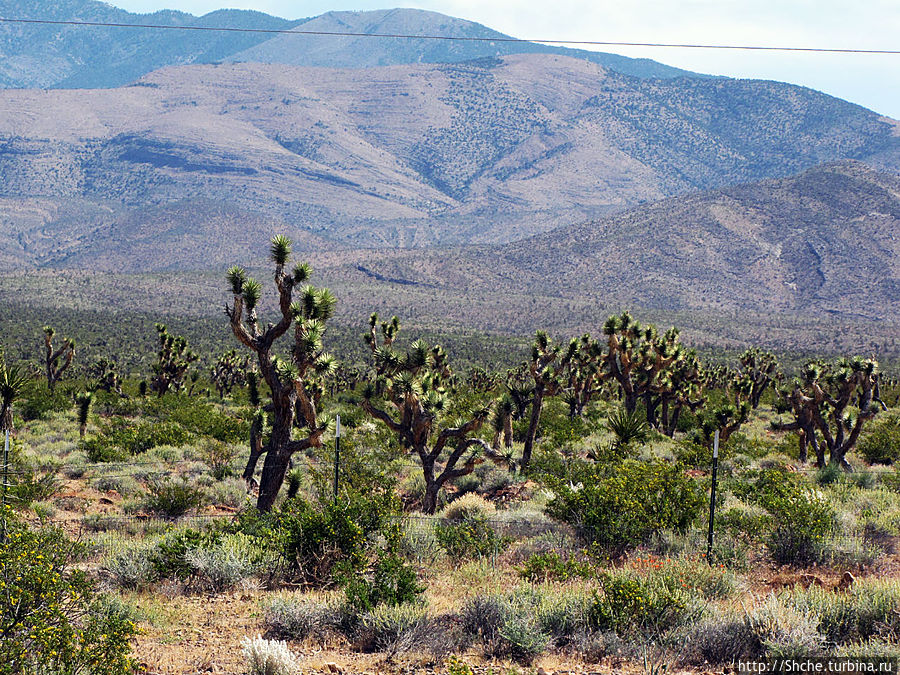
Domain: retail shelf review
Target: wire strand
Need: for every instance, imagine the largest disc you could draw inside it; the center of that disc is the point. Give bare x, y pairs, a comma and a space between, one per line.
457, 38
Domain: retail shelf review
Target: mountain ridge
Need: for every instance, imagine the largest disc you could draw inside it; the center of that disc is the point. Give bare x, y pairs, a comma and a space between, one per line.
413, 156
58, 56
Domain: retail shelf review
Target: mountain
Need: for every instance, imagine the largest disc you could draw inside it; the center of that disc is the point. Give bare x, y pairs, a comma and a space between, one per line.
362, 52
78, 57
488, 151
54, 56
823, 243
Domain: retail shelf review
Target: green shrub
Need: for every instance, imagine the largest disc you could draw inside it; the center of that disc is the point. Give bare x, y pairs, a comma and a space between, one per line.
802, 520
381, 627
230, 560
199, 417
38, 401
881, 445
622, 505
695, 577
391, 582
131, 568
465, 530
323, 544
51, 619
172, 497
508, 624
629, 601
869, 609
524, 640
470, 538
169, 558
121, 438
218, 457
30, 487
551, 566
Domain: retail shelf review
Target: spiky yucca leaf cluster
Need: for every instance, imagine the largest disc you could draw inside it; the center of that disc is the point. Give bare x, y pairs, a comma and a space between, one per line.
12, 383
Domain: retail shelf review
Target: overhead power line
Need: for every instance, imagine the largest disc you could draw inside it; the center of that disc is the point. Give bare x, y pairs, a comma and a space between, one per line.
411, 36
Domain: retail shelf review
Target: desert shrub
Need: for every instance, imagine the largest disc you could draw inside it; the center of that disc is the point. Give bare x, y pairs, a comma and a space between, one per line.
31, 486
218, 456
51, 619
296, 619
721, 640
124, 485
230, 560
465, 530
482, 617
119, 439
419, 543
172, 497
382, 627
551, 566
522, 637
38, 401
881, 445
562, 615
507, 624
131, 568
802, 519
492, 478
629, 601
692, 576
623, 504
197, 416
390, 582
851, 553
230, 492
868, 610
324, 544
784, 631
170, 554
269, 657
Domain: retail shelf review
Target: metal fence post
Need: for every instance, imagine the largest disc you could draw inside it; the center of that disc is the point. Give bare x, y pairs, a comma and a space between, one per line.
712, 499
337, 453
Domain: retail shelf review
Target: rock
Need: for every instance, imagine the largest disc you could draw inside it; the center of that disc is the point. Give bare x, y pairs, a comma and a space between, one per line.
334, 668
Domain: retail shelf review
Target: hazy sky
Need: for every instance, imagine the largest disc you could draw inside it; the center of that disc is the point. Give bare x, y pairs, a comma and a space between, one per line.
873, 81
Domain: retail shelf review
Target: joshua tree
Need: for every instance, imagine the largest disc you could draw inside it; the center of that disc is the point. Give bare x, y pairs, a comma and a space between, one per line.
56, 361
761, 369
502, 422
582, 375
230, 370
681, 387
290, 380
636, 356
821, 400
106, 376
414, 387
12, 382
546, 367
172, 362
83, 401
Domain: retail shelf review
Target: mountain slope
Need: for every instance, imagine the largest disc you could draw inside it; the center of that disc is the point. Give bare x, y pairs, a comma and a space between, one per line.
360, 52
825, 242
54, 56
33, 55
486, 151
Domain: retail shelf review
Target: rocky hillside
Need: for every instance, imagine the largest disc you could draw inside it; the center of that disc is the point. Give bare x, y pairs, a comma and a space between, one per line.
60, 56
823, 243
486, 151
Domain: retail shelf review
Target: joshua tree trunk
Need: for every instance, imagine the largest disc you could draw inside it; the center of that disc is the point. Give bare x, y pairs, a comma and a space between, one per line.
536, 404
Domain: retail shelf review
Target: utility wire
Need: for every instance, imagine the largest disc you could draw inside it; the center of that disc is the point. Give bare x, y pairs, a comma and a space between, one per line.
457, 38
